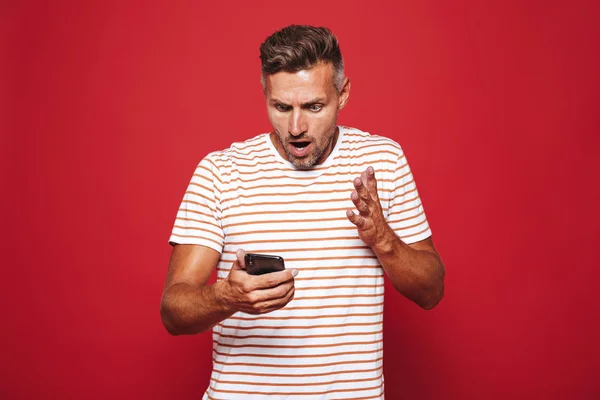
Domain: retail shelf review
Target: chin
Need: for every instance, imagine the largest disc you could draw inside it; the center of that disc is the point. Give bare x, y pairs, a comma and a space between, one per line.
303, 163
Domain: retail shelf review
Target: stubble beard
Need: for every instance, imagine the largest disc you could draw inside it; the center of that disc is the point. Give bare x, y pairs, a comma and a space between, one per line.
310, 160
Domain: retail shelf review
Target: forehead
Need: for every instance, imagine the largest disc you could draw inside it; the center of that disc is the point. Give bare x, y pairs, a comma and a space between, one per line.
301, 85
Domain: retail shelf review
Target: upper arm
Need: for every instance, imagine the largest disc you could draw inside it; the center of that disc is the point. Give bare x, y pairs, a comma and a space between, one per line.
197, 236
198, 219
191, 264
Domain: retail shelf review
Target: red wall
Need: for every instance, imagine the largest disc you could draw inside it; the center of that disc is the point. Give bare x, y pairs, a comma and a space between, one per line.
108, 107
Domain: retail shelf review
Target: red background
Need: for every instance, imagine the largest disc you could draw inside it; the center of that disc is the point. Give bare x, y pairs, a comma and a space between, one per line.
108, 107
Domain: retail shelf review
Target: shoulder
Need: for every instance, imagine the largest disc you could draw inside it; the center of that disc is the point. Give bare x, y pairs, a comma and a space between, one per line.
220, 160
365, 142
240, 149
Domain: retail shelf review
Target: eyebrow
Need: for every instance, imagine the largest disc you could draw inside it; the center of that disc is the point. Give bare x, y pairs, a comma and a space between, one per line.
308, 103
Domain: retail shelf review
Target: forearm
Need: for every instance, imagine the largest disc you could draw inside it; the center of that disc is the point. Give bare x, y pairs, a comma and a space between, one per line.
186, 309
416, 274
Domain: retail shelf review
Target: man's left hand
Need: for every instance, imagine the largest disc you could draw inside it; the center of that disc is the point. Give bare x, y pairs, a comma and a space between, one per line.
370, 222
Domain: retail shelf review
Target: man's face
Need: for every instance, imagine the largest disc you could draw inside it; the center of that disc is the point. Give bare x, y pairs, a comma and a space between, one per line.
303, 107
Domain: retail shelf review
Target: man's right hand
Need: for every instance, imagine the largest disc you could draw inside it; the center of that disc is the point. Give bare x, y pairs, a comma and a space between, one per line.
257, 294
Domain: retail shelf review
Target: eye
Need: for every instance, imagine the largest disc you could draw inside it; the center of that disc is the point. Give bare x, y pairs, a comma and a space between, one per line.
281, 107
315, 107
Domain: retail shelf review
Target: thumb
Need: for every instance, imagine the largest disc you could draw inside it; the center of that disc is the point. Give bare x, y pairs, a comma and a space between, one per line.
239, 263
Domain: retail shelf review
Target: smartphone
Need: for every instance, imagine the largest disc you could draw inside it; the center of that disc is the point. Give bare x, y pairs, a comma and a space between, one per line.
258, 264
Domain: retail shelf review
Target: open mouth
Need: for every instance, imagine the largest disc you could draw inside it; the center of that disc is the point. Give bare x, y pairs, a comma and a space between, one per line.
300, 149
300, 145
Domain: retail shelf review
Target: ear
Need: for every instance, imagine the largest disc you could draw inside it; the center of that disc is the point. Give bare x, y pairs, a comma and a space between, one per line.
344, 94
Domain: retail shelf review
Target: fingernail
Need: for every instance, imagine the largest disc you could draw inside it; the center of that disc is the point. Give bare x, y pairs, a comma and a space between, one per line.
294, 272
371, 170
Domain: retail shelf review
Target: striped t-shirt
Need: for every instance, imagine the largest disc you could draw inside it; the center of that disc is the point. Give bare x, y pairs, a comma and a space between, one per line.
327, 342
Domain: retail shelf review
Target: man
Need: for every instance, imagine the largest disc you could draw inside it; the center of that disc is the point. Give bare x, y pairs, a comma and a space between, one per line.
339, 205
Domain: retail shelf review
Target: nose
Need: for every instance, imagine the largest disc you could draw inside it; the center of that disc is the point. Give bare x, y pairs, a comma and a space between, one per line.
297, 125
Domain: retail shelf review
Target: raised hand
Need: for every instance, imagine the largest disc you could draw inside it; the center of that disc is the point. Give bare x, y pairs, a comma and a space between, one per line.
370, 222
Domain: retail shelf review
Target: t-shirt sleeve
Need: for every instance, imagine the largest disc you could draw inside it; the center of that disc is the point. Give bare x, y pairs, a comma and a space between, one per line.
199, 216
406, 215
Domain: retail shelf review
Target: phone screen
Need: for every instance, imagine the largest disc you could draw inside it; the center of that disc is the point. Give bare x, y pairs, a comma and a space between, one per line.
258, 264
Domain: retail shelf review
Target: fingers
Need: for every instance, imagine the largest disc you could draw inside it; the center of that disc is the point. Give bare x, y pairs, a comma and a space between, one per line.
361, 189
355, 219
365, 193
366, 185
259, 294
361, 197
279, 303
266, 300
240, 262
273, 279
263, 293
360, 204
371, 183
274, 299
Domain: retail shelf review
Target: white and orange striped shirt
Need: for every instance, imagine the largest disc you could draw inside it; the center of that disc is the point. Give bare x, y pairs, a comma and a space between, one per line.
327, 342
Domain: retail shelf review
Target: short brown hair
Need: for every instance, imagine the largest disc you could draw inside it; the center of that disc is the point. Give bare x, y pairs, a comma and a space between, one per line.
298, 47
